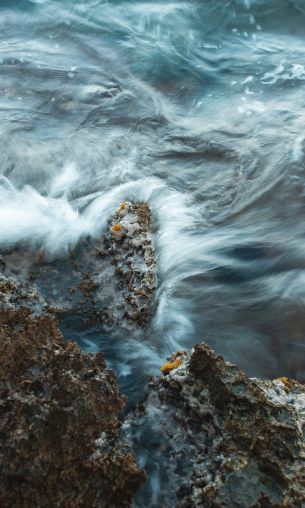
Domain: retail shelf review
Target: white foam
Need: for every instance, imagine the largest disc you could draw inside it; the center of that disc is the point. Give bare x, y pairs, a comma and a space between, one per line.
65, 180
54, 223
27, 216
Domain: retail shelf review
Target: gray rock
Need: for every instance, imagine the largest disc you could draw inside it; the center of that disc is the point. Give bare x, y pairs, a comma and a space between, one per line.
224, 440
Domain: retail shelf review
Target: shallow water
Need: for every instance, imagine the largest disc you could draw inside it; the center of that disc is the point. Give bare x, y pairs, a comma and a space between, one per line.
196, 107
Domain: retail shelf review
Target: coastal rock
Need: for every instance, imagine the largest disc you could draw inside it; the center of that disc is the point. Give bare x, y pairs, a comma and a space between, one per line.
60, 442
224, 440
129, 242
109, 280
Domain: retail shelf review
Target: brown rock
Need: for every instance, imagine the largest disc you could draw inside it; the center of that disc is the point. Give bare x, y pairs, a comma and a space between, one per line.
59, 429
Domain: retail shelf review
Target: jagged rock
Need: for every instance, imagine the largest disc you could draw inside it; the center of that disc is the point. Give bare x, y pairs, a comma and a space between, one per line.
224, 440
129, 241
60, 440
109, 280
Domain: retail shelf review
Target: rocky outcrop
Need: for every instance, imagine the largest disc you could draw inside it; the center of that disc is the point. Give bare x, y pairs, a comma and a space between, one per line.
216, 438
110, 280
60, 440
129, 244
224, 440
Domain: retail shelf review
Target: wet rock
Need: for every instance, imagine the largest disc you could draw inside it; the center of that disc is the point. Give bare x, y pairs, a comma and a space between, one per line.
224, 440
60, 442
129, 239
109, 280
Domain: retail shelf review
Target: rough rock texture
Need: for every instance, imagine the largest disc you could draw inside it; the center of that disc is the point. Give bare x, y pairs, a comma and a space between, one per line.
208, 435
59, 429
109, 280
134, 259
224, 440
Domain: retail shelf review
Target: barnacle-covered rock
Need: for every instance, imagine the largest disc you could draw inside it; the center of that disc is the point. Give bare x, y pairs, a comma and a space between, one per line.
135, 266
60, 442
117, 231
109, 280
224, 440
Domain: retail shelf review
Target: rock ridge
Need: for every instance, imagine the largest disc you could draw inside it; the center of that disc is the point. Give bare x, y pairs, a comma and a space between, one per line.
228, 441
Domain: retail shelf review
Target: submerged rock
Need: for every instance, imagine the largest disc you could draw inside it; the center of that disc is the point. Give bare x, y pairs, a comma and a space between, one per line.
224, 440
60, 442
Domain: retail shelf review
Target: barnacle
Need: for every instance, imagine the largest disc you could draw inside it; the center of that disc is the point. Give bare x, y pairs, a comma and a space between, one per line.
169, 366
116, 228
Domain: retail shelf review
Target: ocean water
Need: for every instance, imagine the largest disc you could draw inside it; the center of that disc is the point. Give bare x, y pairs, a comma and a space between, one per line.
196, 107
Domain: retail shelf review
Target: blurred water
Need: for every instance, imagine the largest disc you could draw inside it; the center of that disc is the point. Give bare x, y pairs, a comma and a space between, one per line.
195, 106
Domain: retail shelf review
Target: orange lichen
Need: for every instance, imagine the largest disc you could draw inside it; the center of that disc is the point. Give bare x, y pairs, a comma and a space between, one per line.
289, 383
116, 228
122, 206
169, 366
